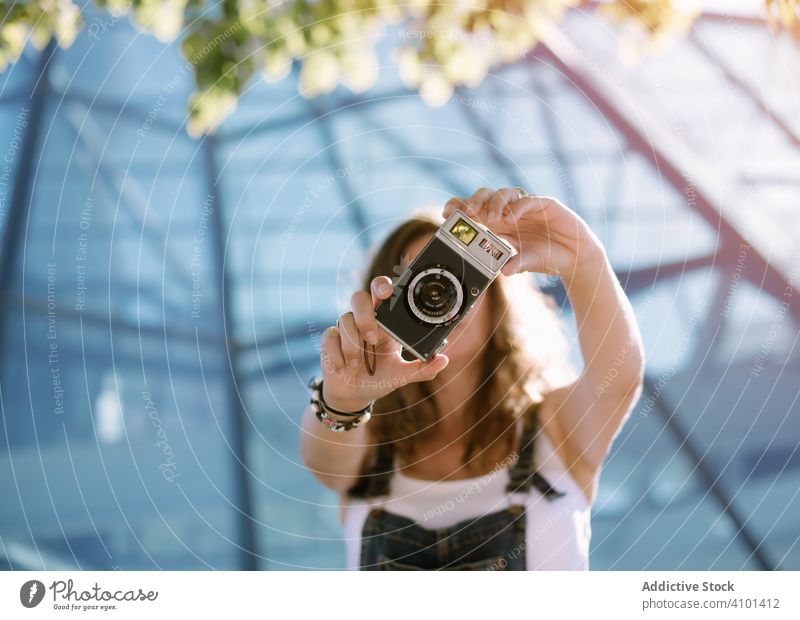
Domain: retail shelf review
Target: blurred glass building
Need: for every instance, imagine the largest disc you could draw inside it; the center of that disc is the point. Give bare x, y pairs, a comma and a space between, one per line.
162, 297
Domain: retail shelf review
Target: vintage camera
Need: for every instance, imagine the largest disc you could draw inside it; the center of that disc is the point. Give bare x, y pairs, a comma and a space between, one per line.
442, 284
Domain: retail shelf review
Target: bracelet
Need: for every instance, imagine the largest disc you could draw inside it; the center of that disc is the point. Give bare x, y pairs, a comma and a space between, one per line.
331, 423
330, 409
325, 413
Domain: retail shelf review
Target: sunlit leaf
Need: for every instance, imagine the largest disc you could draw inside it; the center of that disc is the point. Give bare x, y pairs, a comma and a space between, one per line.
359, 69
435, 89
319, 73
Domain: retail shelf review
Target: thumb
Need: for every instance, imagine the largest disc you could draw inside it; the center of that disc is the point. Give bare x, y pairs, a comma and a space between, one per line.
514, 265
418, 370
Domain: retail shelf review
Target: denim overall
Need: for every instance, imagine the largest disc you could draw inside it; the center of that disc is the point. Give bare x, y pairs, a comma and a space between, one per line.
495, 541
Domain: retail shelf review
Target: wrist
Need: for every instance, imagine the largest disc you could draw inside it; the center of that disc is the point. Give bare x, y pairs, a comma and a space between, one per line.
336, 419
343, 404
589, 265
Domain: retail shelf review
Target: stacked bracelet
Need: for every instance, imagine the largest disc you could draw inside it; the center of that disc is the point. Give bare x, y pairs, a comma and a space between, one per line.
326, 414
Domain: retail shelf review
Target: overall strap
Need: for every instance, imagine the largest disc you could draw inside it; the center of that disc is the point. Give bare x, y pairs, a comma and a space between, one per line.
523, 474
382, 472
375, 481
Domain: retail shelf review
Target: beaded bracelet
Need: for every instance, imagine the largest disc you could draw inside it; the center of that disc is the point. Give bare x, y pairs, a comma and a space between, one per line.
325, 413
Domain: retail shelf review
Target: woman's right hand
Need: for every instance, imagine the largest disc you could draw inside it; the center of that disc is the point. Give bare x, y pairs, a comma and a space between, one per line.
347, 385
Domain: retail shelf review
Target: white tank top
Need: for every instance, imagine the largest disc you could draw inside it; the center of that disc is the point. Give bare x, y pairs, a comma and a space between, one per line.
557, 532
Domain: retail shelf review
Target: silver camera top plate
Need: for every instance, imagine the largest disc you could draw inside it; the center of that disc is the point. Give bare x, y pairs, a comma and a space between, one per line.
487, 251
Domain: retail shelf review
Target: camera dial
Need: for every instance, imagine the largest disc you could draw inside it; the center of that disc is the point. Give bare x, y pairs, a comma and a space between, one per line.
435, 295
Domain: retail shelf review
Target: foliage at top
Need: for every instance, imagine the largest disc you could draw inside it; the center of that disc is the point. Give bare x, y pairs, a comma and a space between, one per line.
439, 45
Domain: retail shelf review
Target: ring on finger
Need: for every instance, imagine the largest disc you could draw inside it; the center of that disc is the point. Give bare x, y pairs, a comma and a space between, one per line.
521, 192
338, 321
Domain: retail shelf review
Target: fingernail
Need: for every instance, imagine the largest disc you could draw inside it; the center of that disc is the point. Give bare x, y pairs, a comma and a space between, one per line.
384, 289
371, 337
354, 362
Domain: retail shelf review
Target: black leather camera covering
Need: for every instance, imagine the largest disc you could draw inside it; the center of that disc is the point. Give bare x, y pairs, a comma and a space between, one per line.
420, 338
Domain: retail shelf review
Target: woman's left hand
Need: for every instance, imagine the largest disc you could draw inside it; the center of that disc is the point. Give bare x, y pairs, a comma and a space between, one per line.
549, 237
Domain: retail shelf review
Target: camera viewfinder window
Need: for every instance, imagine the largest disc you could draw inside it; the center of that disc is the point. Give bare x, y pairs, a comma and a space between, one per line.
463, 232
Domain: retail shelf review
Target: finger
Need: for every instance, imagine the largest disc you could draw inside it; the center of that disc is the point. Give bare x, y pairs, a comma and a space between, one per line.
514, 265
351, 340
381, 288
453, 204
364, 315
536, 259
499, 202
524, 206
416, 371
476, 202
331, 356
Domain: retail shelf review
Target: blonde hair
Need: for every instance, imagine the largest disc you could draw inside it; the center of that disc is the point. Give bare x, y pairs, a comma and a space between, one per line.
526, 355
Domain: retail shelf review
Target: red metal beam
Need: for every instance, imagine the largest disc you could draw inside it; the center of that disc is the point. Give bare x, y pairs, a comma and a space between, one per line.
764, 275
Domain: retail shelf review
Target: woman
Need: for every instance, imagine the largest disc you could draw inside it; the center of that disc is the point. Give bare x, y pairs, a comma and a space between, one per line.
487, 456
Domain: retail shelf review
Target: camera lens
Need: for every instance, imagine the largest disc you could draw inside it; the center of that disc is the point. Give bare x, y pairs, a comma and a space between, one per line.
435, 295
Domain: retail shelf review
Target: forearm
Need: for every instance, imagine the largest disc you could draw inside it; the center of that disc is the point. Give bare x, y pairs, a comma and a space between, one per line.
334, 458
610, 341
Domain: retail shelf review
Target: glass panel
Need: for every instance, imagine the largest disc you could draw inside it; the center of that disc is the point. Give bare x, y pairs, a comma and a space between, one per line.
654, 512
114, 453
298, 519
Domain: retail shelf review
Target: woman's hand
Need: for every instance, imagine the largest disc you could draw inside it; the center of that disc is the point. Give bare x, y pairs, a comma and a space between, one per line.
549, 237
347, 386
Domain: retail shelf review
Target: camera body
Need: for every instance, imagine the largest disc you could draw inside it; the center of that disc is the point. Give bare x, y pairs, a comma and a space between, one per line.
442, 284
